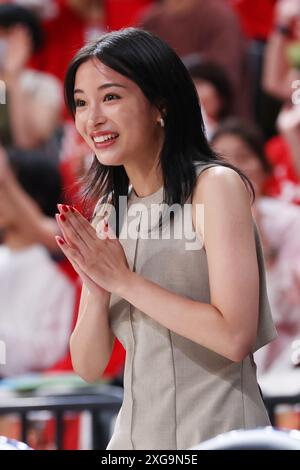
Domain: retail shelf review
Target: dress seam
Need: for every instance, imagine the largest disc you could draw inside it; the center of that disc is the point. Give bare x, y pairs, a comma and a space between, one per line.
134, 342
242, 392
175, 401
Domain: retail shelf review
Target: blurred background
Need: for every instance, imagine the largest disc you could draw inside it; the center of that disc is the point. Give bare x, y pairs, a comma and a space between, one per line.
244, 58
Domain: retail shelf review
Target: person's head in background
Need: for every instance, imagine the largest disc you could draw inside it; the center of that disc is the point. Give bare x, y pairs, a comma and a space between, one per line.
41, 180
43, 96
15, 17
175, 5
214, 92
241, 143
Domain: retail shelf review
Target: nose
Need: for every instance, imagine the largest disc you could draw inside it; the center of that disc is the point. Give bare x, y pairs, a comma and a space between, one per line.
95, 118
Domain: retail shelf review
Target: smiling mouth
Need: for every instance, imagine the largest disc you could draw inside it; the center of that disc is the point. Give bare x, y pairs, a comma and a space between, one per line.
105, 138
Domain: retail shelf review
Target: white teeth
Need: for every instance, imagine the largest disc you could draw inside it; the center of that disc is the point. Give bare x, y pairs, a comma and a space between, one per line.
105, 138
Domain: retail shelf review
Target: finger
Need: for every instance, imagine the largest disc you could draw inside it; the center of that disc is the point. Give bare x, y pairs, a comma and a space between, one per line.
80, 223
63, 231
72, 254
107, 228
72, 234
102, 229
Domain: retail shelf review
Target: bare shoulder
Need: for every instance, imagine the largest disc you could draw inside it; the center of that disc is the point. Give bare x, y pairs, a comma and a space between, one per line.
224, 196
220, 180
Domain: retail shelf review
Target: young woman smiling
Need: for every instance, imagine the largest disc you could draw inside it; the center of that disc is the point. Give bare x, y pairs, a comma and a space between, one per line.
188, 319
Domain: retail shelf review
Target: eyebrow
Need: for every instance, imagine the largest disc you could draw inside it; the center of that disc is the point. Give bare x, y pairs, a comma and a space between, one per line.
102, 87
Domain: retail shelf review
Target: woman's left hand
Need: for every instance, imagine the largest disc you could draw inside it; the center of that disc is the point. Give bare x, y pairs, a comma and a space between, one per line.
102, 260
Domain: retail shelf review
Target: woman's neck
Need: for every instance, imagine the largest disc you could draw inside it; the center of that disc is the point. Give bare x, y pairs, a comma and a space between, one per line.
145, 180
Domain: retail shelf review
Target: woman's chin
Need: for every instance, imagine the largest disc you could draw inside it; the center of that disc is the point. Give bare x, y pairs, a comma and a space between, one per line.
109, 160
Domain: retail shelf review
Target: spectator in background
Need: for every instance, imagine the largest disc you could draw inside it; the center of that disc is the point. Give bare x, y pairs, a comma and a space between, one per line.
30, 119
282, 58
35, 104
32, 115
71, 24
210, 29
214, 91
35, 321
281, 80
256, 19
123, 13
20, 36
279, 225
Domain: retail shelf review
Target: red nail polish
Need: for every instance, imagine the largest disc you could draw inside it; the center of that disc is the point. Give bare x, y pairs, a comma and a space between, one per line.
72, 209
65, 208
62, 217
60, 241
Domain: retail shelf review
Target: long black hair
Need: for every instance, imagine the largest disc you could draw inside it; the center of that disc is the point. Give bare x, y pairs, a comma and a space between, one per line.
158, 71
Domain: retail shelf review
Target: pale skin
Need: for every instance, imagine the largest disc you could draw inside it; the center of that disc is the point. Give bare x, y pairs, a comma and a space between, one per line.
227, 325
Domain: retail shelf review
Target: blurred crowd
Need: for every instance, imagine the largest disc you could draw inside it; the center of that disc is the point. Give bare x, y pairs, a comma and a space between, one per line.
244, 58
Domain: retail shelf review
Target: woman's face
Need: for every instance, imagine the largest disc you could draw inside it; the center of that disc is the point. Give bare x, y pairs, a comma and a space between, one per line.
239, 154
114, 117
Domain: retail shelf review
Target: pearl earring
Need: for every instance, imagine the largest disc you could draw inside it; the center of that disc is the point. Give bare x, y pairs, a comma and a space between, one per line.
161, 122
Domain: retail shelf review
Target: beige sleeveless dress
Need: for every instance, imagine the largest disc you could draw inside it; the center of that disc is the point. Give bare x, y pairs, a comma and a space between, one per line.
176, 392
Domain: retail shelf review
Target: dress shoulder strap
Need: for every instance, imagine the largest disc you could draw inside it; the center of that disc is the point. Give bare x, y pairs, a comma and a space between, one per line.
202, 166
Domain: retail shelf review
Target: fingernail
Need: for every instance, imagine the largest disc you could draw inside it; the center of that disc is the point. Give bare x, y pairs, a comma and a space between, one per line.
62, 217
72, 208
65, 208
60, 240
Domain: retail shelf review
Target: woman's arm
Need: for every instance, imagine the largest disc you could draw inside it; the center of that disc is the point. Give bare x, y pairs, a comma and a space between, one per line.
228, 325
92, 340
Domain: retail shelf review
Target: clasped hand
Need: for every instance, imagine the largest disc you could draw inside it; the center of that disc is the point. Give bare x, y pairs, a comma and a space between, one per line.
100, 262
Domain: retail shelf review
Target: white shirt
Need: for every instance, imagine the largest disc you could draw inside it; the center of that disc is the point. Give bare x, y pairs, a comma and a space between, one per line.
36, 310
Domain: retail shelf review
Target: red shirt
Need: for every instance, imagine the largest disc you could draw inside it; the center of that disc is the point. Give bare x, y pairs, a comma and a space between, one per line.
123, 13
64, 35
284, 182
256, 16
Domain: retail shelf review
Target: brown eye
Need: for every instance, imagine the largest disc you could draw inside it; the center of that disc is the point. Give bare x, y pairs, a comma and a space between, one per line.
110, 97
79, 103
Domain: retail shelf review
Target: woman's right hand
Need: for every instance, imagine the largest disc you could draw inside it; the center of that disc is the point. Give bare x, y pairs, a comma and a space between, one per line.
91, 285
94, 289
